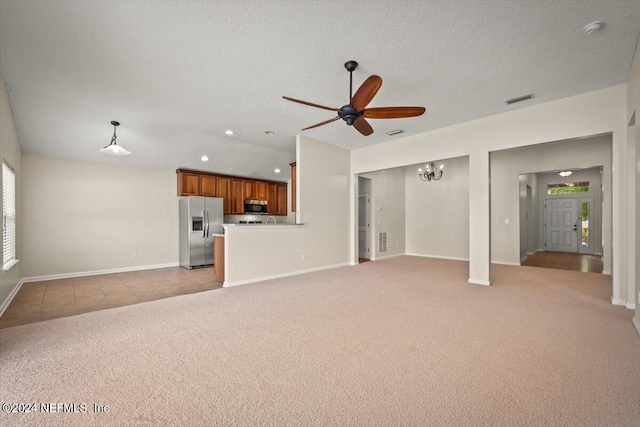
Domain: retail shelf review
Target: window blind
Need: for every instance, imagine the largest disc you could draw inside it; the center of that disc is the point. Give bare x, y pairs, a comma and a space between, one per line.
8, 214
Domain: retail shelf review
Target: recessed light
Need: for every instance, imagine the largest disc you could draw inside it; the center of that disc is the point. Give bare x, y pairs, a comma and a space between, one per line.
270, 132
204, 158
395, 132
228, 132
277, 170
592, 27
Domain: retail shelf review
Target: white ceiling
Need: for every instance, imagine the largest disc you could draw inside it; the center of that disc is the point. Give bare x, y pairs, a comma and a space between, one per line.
178, 74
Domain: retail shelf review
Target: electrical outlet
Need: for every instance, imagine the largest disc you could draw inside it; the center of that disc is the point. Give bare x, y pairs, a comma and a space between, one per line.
134, 255
302, 257
506, 221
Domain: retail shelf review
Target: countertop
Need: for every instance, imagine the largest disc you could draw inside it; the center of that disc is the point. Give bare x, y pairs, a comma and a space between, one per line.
283, 225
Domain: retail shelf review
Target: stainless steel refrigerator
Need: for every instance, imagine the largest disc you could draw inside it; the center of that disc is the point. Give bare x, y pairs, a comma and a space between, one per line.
200, 218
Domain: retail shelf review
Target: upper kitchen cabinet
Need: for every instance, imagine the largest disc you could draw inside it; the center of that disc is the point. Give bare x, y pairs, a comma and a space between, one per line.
237, 197
260, 190
224, 191
248, 189
272, 198
193, 184
188, 184
208, 186
281, 208
234, 190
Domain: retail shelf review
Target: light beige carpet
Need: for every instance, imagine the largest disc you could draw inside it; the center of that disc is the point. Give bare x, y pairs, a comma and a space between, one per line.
403, 341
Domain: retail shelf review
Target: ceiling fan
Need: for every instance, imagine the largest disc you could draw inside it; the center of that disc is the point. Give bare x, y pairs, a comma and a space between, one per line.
355, 112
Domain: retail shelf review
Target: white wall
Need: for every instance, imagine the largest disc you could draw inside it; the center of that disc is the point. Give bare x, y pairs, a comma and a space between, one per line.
594, 113
388, 210
324, 191
594, 177
11, 152
81, 216
528, 214
633, 119
437, 212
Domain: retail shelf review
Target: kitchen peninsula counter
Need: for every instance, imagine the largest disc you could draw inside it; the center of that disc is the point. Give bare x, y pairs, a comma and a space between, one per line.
261, 225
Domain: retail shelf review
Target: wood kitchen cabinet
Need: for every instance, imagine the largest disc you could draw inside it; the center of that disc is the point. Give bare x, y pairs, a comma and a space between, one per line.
248, 189
224, 191
208, 186
294, 186
237, 197
281, 193
272, 199
189, 184
260, 190
235, 189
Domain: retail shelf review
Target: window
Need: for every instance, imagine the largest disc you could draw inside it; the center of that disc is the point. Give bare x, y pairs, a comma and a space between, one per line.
8, 216
568, 188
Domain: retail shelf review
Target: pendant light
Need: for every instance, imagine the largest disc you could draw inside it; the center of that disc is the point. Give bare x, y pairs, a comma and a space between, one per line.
431, 171
113, 147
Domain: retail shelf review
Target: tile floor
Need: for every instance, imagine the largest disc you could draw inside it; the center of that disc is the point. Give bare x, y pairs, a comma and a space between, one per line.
66, 297
565, 261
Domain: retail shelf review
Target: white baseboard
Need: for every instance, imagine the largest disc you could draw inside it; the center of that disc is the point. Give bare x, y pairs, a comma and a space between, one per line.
635, 324
12, 294
534, 252
388, 256
278, 276
630, 306
438, 257
98, 272
523, 259
608, 273
616, 301
479, 282
516, 264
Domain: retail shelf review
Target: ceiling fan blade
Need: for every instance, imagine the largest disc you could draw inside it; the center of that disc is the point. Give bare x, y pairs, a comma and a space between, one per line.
366, 92
323, 123
363, 126
393, 112
310, 104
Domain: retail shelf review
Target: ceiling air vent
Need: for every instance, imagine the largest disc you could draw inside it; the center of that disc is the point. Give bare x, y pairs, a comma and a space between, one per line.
395, 132
518, 99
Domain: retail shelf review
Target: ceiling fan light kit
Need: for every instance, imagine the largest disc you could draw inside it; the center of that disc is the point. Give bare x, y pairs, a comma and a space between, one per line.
355, 112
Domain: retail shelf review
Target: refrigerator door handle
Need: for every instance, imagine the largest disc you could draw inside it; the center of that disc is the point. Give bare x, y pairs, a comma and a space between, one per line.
204, 225
207, 225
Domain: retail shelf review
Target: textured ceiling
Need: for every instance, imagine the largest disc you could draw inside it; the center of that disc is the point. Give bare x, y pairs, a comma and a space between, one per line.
177, 74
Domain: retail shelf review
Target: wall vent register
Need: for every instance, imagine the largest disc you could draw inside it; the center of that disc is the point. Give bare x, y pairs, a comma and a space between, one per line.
382, 242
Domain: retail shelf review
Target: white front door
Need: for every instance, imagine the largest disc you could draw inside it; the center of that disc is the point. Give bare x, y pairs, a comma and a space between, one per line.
364, 245
561, 225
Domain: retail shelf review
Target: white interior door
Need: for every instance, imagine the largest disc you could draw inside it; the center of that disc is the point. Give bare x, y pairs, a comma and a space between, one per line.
364, 245
561, 225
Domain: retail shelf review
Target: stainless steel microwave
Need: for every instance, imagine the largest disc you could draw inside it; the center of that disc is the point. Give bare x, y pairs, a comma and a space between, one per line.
255, 207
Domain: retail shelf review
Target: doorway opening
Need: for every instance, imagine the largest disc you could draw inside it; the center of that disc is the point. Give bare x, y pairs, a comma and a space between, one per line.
569, 227
364, 219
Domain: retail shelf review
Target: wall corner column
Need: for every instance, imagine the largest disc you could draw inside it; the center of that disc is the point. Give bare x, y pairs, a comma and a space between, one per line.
479, 219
